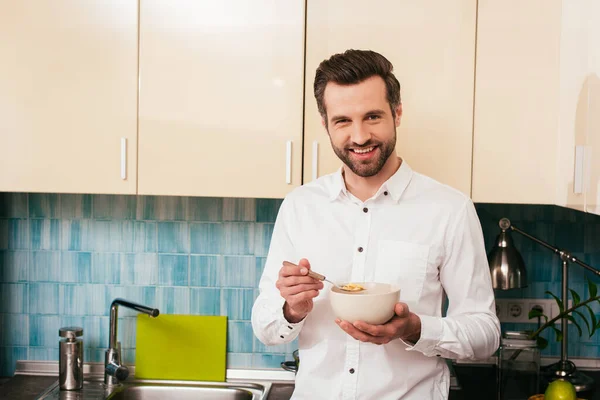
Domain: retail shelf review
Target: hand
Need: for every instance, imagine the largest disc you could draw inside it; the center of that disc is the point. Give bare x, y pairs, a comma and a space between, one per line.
404, 325
297, 289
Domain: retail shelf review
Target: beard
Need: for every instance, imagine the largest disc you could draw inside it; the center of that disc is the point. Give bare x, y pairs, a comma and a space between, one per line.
366, 168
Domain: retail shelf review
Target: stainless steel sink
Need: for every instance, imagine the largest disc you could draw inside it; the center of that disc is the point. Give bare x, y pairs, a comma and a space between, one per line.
157, 391
164, 390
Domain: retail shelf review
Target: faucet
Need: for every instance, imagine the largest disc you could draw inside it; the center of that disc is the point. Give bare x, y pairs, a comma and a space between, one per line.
113, 370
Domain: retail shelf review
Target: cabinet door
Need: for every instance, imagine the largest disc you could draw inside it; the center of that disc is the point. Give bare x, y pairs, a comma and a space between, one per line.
68, 96
516, 101
220, 97
432, 47
592, 85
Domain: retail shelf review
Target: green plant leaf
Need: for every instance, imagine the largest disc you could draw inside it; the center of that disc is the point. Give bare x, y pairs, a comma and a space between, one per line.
592, 288
570, 318
558, 332
576, 298
558, 301
584, 320
542, 342
593, 318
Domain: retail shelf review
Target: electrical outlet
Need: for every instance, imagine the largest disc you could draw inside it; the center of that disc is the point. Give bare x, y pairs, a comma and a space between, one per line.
517, 310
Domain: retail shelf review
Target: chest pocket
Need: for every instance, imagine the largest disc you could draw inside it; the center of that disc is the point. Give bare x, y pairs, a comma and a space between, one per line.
404, 264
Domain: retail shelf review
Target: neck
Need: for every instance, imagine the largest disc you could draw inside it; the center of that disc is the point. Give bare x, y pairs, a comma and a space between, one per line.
365, 187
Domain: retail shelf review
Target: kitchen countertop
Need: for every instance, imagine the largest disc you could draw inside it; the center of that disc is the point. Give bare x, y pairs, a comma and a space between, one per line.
477, 382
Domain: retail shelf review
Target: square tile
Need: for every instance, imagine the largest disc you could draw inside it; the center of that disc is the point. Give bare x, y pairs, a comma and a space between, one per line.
171, 208
14, 330
259, 268
44, 266
76, 267
206, 238
76, 235
13, 298
173, 237
146, 208
262, 239
205, 209
13, 205
9, 357
106, 268
239, 360
118, 207
204, 270
13, 266
238, 238
239, 337
44, 298
44, 205
145, 237
270, 361
173, 270
44, 234
238, 271
46, 354
139, 269
205, 301
95, 332
239, 209
14, 234
267, 209
76, 206
237, 304
82, 299
173, 300
43, 330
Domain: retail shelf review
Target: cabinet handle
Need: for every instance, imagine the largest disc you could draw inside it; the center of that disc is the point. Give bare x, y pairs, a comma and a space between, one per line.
315, 160
288, 162
123, 158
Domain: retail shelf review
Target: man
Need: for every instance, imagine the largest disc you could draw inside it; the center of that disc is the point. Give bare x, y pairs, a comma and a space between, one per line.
375, 220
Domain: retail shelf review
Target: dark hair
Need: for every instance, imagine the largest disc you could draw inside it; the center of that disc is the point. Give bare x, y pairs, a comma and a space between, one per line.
354, 66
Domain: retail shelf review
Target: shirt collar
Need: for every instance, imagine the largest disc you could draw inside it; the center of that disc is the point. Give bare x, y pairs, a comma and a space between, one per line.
395, 185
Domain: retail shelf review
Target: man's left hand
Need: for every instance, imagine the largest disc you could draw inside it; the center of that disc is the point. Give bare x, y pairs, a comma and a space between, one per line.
404, 325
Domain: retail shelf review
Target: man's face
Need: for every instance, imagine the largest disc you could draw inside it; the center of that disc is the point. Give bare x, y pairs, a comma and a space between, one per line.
360, 124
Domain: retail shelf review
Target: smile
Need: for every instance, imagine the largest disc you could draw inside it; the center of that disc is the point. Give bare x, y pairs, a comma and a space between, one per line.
364, 151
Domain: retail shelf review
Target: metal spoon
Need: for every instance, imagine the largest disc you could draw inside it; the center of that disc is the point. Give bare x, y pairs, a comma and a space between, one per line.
320, 277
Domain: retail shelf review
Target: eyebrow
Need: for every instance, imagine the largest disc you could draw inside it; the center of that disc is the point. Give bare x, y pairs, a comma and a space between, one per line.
370, 112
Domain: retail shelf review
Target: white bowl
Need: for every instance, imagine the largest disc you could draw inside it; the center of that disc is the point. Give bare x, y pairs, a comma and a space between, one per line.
374, 305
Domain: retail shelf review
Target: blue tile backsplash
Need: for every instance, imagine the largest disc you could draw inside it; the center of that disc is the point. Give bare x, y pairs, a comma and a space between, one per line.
64, 257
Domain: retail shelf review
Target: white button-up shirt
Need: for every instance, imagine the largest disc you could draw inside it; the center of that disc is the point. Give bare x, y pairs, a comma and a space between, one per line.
414, 232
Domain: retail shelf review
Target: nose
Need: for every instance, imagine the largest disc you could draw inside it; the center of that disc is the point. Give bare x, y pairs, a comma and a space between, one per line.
360, 134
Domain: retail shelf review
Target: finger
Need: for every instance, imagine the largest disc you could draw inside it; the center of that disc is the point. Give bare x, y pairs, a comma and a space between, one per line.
360, 335
304, 263
296, 289
295, 280
300, 297
401, 310
373, 330
289, 269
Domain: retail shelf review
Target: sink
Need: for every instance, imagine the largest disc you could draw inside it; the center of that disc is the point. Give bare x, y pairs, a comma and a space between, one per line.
158, 391
137, 389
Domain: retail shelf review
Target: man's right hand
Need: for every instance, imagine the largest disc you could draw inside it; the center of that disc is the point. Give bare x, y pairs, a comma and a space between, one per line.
297, 289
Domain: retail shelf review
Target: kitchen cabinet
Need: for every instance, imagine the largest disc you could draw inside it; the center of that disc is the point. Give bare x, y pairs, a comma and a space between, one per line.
220, 106
68, 96
432, 47
531, 102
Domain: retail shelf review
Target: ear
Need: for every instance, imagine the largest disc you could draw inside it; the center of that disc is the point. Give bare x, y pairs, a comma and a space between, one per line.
398, 114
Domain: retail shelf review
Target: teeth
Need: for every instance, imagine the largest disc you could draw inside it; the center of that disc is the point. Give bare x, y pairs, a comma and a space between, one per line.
363, 151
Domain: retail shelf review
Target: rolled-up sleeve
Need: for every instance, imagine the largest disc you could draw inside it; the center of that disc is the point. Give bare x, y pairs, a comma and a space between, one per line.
470, 329
268, 321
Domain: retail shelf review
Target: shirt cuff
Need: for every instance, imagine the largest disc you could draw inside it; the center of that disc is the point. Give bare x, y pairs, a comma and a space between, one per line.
431, 335
286, 328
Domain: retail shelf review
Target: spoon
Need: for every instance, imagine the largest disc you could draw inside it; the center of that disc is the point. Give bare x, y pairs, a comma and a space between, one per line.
320, 277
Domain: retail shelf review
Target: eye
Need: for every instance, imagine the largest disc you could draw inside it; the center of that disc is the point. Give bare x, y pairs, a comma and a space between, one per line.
373, 117
341, 121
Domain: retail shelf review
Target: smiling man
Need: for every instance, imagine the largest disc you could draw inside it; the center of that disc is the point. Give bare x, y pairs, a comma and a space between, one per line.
375, 220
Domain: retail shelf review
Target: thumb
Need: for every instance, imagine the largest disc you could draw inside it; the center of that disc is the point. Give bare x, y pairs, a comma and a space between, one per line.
304, 263
401, 310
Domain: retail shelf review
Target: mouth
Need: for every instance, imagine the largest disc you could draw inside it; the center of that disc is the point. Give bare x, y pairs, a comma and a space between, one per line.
364, 152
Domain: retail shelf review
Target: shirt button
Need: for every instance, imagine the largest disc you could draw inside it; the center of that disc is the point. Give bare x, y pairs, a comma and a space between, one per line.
385, 193
281, 336
351, 370
360, 249
366, 209
290, 327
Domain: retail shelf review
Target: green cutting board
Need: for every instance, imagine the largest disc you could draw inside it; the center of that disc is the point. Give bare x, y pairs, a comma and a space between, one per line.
181, 347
